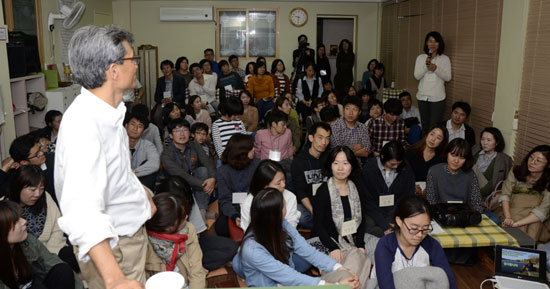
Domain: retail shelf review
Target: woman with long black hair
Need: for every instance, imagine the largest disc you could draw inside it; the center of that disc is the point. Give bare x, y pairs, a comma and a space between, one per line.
270, 244
344, 67
26, 263
270, 174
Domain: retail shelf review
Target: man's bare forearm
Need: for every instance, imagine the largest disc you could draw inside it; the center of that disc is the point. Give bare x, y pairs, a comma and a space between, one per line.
105, 263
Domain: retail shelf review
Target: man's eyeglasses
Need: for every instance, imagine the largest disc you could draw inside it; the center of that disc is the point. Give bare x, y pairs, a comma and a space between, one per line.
179, 130
415, 231
38, 153
134, 59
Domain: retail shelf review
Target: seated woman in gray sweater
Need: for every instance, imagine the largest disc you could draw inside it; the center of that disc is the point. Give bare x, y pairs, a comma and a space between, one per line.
454, 180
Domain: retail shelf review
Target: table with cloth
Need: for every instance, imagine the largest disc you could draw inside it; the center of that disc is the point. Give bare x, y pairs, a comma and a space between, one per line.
485, 234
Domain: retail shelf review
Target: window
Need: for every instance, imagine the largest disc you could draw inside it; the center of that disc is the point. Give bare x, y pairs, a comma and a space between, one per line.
247, 33
24, 16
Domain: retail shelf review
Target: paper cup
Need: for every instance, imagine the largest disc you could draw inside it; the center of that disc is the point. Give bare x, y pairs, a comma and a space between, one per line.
165, 280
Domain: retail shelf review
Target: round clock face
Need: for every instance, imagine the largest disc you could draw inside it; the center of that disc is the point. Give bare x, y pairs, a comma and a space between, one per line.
298, 17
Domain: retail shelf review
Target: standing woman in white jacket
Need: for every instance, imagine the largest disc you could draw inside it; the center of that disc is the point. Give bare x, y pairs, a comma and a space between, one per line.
432, 69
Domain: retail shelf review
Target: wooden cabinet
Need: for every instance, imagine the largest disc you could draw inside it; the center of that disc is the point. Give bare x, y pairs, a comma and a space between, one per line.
20, 87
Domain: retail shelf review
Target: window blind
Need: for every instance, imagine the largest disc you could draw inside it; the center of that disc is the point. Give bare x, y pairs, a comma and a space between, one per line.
471, 30
534, 107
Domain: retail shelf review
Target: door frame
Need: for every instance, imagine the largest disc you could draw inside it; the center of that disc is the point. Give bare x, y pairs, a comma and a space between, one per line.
354, 40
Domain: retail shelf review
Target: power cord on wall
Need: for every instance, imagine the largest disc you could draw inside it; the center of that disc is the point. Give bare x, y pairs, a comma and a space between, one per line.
494, 281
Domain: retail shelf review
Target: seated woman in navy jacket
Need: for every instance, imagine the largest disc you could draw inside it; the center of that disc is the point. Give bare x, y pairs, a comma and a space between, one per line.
386, 180
408, 245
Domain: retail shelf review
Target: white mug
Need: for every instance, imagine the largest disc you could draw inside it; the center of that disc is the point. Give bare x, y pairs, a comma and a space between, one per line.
165, 280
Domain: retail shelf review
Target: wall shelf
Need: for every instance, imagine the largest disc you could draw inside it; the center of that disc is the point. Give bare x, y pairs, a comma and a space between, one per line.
20, 87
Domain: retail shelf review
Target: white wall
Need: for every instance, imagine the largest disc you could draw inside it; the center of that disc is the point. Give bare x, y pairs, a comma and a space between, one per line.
94, 8
8, 128
510, 69
175, 39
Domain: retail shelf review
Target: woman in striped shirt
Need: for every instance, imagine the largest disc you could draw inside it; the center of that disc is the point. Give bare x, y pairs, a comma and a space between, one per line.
281, 82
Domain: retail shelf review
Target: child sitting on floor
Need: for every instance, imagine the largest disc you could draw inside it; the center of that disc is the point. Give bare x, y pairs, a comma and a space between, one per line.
199, 132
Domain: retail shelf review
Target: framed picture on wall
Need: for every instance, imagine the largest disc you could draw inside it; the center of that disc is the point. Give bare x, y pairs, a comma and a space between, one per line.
333, 50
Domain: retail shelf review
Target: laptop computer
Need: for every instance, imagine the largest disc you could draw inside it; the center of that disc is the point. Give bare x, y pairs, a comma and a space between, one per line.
520, 268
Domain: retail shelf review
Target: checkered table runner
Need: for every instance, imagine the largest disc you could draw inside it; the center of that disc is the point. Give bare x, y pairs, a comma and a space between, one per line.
486, 234
391, 93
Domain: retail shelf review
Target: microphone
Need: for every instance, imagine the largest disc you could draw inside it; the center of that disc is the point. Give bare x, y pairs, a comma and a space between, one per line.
430, 57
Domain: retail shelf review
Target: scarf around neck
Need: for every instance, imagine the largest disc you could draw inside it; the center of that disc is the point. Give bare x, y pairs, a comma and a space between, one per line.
338, 209
35, 223
169, 247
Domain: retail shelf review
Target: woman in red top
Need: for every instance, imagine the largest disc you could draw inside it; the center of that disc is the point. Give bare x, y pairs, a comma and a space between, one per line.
280, 80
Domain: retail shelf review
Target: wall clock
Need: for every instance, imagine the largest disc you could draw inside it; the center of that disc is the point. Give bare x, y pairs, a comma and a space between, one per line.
298, 17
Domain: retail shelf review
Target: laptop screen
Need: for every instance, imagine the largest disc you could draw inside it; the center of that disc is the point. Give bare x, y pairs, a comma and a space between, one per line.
520, 263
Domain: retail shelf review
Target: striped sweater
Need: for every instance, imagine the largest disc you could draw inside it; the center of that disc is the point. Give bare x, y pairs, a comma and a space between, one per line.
281, 83
222, 130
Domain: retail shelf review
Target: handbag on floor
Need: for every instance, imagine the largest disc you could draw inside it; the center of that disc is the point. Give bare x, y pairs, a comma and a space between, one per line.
491, 202
354, 260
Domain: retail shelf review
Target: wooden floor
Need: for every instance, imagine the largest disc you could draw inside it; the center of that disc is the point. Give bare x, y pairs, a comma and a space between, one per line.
470, 277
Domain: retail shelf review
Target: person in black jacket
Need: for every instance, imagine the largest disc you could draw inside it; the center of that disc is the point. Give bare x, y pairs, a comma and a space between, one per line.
386, 179
48, 134
302, 56
344, 67
427, 152
27, 150
323, 63
337, 206
228, 81
170, 87
456, 125
307, 173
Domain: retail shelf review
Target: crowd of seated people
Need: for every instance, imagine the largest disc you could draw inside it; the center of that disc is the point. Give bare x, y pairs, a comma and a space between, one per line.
242, 150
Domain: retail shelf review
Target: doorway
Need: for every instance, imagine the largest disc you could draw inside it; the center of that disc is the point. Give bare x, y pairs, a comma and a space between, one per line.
331, 29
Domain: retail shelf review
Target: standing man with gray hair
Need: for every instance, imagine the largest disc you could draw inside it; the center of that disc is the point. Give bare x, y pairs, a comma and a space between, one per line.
104, 205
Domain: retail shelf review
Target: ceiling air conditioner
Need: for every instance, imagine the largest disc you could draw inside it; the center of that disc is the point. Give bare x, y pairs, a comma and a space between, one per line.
199, 13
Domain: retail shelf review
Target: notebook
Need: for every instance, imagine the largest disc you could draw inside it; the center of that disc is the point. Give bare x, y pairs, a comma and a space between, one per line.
520, 268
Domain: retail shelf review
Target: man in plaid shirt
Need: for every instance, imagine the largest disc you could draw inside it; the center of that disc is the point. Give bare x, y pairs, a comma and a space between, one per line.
348, 131
388, 126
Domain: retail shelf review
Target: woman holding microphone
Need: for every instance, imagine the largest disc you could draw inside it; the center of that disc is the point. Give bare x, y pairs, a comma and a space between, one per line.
432, 69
